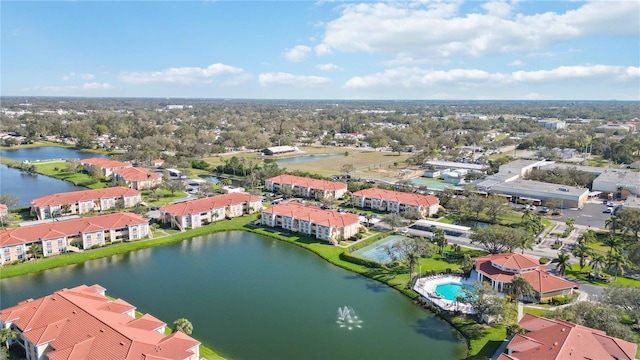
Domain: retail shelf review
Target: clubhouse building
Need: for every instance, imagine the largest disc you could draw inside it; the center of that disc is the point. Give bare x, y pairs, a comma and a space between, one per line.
106, 166
83, 323
195, 213
84, 202
395, 201
307, 187
499, 269
327, 225
138, 178
56, 237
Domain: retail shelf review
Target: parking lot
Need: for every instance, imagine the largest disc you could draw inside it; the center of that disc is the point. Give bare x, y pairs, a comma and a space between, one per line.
592, 214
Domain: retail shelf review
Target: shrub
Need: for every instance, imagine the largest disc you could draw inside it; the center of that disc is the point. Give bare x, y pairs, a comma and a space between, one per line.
544, 260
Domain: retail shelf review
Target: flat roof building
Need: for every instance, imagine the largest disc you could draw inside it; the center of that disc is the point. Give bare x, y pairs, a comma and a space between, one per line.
571, 196
621, 183
455, 165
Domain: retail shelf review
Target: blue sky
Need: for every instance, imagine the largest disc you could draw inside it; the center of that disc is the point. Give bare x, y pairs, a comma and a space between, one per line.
322, 50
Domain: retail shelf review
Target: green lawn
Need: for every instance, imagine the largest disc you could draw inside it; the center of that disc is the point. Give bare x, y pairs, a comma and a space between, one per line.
575, 274
164, 197
58, 170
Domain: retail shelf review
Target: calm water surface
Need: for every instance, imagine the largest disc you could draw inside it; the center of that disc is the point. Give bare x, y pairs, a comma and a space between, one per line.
28, 187
304, 158
251, 297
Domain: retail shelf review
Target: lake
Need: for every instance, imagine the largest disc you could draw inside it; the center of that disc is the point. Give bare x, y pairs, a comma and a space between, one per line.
28, 187
252, 297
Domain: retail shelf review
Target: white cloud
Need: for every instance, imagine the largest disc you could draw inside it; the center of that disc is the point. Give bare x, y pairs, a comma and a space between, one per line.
181, 75
516, 63
405, 77
68, 89
73, 75
280, 78
96, 86
437, 30
328, 67
297, 54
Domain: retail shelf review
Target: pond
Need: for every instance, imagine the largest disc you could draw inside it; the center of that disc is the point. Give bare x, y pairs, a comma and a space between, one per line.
471, 223
377, 251
299, 159
46, 153
252, 297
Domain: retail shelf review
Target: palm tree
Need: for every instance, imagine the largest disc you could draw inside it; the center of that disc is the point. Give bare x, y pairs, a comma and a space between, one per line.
583, 252
612, 224
519, 288
612, 242
440, 239
587, 237
618, 262
7, 334
570, 224
562, 263
35, 250
597, 262
526, 242
183, 325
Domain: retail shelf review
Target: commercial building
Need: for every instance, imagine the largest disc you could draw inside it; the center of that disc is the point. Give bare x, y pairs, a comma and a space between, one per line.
620, 183
307, 187
437, 164
537, 191
83, 323
558, 339
107, 166
84, 202
138, 178
500, 269
57, 237
553, 124
195, 213
617, 126
521, 168
395, 201
327, 225
279, 150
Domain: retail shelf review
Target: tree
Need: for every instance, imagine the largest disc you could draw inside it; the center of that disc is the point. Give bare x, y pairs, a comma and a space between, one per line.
587, 237
467, 263
612, 223
183, 325
526, 243
553, 203
570, 224
582, 251
626, 297
348, 169
35, 250
630, 219
411, 214
562, 263
612, 242
9, 200
394, 220
439, 238
520, 288
484, 300
496, 238
597, 315
173, 186
597, 262
476, 204
617, 262
408, 252
287, 192
495, 207
7, 335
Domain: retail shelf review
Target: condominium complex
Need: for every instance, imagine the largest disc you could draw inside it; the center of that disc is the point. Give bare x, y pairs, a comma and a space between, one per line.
307, 187
396, 201
85, 201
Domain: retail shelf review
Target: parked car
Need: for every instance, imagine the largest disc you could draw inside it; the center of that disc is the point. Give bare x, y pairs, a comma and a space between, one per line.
608, 210
556, 212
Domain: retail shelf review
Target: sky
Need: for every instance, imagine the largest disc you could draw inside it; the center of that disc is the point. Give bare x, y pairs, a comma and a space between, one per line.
423, 50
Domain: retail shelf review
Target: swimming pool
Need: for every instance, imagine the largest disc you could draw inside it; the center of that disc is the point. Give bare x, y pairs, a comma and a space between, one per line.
377, 251
451, 290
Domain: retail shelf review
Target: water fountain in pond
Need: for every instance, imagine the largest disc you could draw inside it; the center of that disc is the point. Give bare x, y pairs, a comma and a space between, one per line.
348, 318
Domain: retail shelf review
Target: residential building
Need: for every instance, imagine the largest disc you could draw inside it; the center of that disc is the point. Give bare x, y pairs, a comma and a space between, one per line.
83, 323
327, 225
500, 269
195, 213
4, 210
84, 201
279, 150
620, 183
157, 162
307, 187
558, 339
395, 201
538, 192
138, 178
107, 166
56, 237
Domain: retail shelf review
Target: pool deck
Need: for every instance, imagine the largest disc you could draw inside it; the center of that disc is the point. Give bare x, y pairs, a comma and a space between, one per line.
426, 287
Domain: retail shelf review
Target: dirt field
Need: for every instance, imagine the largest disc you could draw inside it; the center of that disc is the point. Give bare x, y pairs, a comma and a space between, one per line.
367, 163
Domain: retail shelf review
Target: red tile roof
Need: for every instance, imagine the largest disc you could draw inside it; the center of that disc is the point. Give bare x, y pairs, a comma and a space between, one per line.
313, 214
105, 163
77, 326
557, 339
56, 229
208, 203
3, 208
137, 174
398, 196
308, 182
83, 195
541, 280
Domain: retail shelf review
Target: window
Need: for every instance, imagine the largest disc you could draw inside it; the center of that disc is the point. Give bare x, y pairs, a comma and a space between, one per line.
19, 248
7, 259
20, 257
87, 236
60, 241
49, 251
7, 250
47, 243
